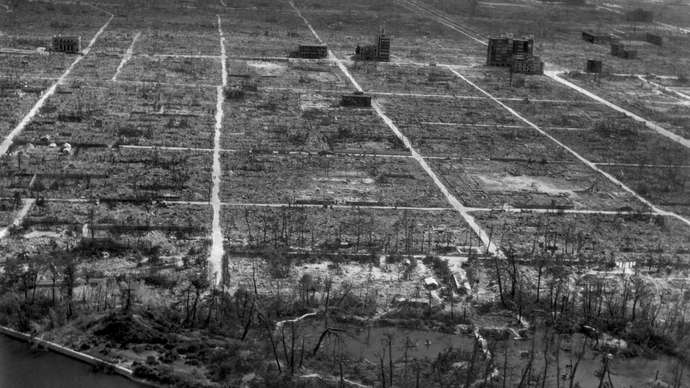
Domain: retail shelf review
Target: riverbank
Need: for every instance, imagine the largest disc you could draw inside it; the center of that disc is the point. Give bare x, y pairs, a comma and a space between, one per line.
97, 363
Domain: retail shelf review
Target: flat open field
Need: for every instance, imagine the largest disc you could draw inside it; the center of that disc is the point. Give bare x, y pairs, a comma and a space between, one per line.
532, 185
172, 70
305, 121
666, 186
647, 100
407, 110
108, 173
371, 180
484, 141
498, 83
100, 115
291, 75
257, 33
406, 78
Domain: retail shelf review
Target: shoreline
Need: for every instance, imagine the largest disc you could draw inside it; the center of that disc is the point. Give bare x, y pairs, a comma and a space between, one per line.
112, 368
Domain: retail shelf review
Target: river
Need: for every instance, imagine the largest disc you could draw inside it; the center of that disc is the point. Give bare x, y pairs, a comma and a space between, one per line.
20, 367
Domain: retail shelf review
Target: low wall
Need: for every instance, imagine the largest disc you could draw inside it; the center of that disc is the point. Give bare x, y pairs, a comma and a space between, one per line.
79, 356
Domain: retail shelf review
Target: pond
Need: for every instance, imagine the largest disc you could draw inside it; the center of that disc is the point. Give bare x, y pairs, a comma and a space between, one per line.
625, 371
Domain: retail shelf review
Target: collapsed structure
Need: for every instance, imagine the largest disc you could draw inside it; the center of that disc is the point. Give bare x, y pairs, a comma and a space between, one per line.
619, 50
518, 54
66, 44
381, 51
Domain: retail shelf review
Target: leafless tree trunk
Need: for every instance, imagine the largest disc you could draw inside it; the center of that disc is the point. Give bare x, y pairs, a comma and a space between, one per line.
383, 374
579, 355
470, 369
558, 360
547, 341
267, 325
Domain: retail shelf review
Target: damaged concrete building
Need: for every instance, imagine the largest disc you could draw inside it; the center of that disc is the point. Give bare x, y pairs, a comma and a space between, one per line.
312, 51
619, 50
356, 100
381, 51
66, 44
654, 39
518, 54
596, 37
594, 66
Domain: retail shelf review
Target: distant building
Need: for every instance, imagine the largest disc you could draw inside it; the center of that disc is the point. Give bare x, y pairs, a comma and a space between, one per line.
356, 100
654, 39
66, 44
381, 51
640, 15
618, 50
518, 54
528, 65
383, 47
596, 37
594, 66
312, 51
500, 51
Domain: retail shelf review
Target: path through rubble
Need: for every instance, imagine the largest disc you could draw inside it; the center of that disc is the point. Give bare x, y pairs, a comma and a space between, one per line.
18, 218
126, 57
215, 261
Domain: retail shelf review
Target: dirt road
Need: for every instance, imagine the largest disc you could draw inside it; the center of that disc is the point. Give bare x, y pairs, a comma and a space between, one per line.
215, 260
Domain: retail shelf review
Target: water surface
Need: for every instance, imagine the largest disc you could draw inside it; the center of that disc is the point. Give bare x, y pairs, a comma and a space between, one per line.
20, 367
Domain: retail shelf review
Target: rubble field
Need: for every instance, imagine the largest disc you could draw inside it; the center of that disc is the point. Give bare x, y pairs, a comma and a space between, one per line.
666, 186
326, 179
172, 70
289, 74
51, 172
414, 110
404, 78
484, 142
631, 237
54, 226
646, 99
100, 115
250, 228
524, 184
310, 121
